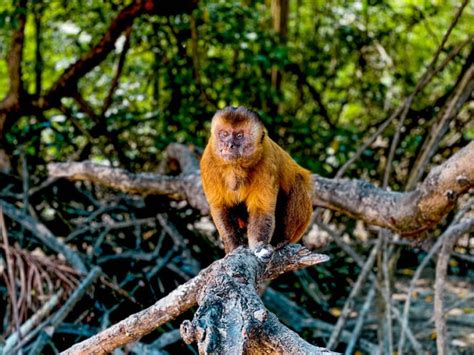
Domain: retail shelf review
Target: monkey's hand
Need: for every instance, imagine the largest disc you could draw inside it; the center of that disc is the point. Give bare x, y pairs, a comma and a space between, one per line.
263, 252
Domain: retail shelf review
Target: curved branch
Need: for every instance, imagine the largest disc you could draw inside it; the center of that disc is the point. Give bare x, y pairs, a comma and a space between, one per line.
185, 296
120, 179
450, 239
407, 213
188, 163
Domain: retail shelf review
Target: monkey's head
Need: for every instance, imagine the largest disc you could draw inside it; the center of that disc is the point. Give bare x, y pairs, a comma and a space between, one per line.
237, 133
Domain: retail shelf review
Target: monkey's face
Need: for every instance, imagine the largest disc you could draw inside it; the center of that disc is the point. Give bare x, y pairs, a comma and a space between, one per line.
237, 134
234, 142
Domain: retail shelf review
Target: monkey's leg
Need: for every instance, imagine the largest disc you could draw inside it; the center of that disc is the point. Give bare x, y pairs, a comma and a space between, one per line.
297, 212
260, 228
226, 228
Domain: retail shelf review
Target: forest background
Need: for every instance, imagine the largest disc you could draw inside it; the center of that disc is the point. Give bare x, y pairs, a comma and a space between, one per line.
379, 91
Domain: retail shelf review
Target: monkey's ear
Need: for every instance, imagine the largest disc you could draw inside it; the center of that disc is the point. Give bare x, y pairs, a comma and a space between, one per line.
264, 131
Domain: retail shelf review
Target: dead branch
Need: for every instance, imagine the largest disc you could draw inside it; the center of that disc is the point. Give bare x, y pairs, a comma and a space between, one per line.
299, 319
378, 285
360, 320
32, 322
452, 235
461, 93
11, 284
341, 321
407, 213
199, 290
186, 186
453, 228
43, 234
59, 316
179, 242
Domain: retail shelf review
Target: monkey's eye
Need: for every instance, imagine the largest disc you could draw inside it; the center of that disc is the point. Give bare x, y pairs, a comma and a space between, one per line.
223, 134
240, 135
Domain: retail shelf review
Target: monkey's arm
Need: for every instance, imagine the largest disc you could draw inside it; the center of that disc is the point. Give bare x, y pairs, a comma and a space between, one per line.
261, 208
261, 227
227, 231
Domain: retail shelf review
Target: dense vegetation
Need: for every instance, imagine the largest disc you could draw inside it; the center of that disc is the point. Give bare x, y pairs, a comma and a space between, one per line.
323, 85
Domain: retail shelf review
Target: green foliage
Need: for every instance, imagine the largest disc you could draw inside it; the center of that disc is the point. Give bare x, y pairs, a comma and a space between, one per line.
362, 58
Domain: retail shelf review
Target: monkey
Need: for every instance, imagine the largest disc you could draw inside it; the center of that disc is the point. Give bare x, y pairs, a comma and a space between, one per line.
254, 188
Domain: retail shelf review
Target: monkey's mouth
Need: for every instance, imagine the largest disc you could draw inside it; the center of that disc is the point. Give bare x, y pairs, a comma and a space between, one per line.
230, 154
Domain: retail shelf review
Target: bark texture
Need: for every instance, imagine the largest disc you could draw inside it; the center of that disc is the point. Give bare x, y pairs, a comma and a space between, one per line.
232, 318
228, 284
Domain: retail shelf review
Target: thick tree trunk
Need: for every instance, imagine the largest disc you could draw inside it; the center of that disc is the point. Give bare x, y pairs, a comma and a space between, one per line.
280, 11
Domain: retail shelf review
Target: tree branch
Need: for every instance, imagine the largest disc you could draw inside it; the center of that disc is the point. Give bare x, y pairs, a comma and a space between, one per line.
10, 105
68, 306
450, 239
407, 213
67, 82
44, 235
238, 265
402, 111
118, 73
461, 93
232, 318
14, 59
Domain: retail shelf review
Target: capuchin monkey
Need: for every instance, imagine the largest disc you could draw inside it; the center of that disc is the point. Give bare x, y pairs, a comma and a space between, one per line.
254, 188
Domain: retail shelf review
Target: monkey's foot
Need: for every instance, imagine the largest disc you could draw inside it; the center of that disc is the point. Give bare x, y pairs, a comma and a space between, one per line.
263, 252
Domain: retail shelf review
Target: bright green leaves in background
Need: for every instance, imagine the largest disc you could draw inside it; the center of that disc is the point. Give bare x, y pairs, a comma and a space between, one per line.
361, 57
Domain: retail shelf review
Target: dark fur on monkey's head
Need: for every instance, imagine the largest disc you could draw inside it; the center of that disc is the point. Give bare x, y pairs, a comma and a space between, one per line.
237, 133
237, 115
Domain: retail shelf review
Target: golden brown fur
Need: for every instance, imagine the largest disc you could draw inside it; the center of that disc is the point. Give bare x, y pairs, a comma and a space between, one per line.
252, 185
